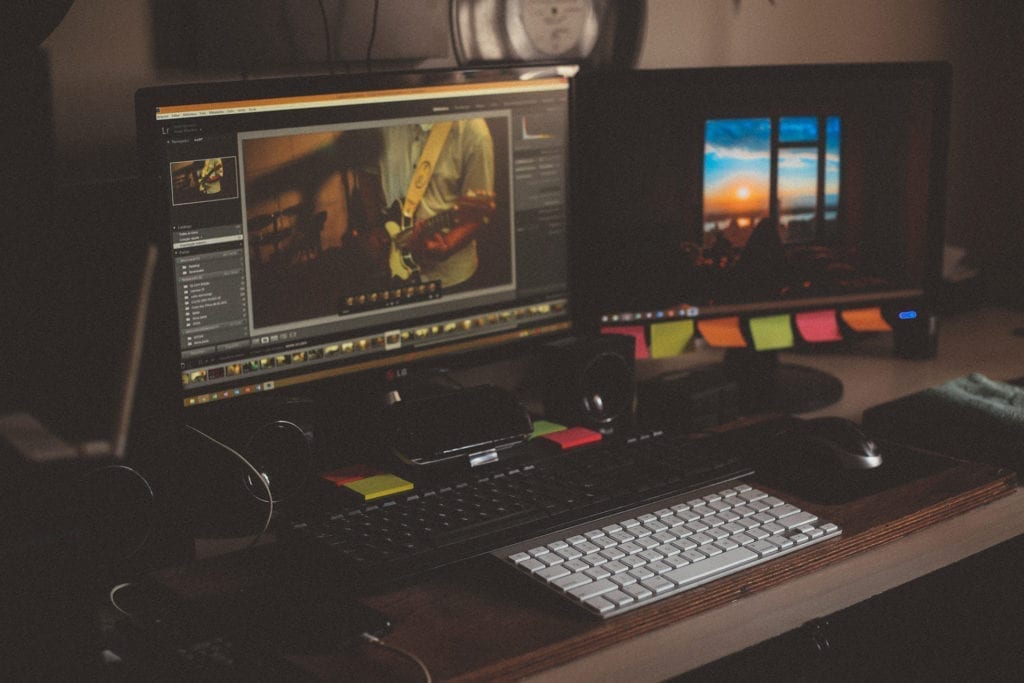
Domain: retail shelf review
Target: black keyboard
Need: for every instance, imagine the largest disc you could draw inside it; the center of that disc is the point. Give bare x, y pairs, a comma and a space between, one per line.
479, 510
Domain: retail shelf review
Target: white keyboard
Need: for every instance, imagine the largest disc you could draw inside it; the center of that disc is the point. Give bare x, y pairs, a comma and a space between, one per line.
621, 562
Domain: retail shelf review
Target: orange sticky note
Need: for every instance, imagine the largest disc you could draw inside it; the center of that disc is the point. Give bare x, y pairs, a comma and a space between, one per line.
818, 326
866, 320
722, 332
641, 349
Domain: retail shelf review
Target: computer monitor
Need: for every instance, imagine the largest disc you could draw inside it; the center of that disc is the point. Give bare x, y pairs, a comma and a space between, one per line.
774, 207
318, 229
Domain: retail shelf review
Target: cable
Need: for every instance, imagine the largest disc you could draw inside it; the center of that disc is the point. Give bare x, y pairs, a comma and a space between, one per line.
373, 35
113, 602
256, 472
374, 640
329, 49
453, 20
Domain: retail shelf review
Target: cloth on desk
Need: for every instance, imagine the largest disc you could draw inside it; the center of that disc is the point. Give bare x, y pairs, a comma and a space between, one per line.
971, 417
977, 392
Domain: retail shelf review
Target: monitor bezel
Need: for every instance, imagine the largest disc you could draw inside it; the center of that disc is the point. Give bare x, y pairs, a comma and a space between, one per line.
706, 79
162, 374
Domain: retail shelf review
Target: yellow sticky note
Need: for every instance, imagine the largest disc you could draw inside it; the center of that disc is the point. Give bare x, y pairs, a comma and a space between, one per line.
379, 485
865, 320
771, 332
670, 338
722, 332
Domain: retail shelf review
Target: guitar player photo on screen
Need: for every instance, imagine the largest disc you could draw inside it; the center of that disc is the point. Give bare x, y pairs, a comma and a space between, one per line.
341, 220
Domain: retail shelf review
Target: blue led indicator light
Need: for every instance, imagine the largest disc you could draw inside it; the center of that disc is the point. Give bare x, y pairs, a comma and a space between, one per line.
908, 315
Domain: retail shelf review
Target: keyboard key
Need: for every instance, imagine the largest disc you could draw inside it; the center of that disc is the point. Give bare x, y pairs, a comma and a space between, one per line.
592, 589
552, 573
694, 555
570, 581
657, 584
600, 604
640, 573
623, 580
763, 548
692, 573
531, 565
637, 591
618, 598
798, 519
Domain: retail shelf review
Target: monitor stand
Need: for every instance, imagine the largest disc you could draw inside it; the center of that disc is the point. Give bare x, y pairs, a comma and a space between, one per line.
767, 385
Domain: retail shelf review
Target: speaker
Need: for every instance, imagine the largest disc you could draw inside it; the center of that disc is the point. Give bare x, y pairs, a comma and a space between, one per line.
589, 381
916, 337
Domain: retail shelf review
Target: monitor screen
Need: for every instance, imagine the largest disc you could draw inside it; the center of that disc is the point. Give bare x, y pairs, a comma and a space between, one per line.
775, 192
320, 227
737, 190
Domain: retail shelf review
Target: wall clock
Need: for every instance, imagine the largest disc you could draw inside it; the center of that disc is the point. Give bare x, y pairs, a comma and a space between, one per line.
523, 31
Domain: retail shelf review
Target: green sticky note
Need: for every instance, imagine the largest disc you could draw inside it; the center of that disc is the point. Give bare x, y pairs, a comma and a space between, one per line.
542, 427
379, 485
670, 338
771, 332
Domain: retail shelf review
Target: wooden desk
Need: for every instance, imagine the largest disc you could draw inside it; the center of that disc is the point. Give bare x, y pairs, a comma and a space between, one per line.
475, 622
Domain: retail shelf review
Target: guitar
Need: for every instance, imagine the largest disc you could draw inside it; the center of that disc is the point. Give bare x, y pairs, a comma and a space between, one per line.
472, 207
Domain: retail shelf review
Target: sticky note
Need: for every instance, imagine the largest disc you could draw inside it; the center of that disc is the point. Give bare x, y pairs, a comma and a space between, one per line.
723, 332
379, 485
816, 327
670, 338
636, 332
542, 427
573, 437
866, 320
345, 475
771, 332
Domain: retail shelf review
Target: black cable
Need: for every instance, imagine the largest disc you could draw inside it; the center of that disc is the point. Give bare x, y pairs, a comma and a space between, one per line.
328, 47
373, 35
453, 36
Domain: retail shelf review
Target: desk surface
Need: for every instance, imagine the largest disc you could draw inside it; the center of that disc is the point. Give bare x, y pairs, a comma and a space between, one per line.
701, 639
676, 639
971, 341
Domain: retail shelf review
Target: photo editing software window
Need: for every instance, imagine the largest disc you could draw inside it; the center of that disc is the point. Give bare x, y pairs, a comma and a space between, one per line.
321, 232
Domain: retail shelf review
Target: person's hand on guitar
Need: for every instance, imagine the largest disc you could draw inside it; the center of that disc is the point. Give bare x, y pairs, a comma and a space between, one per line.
440, 239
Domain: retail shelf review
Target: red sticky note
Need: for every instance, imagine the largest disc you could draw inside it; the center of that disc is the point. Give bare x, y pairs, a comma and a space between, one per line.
722, 332
641, 349
347, 475
818, 326
573, 437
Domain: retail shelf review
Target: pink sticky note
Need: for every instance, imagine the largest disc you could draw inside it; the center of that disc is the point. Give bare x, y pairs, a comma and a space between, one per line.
637, 332
816, 327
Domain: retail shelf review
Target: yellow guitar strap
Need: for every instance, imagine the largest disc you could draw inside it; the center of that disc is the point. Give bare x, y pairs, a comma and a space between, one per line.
425, 167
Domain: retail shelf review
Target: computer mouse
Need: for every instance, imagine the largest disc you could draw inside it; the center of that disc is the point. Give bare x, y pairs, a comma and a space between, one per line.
830, 440
826, 460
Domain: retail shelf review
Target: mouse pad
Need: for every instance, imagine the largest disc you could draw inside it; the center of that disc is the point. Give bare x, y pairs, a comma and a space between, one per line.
900, 465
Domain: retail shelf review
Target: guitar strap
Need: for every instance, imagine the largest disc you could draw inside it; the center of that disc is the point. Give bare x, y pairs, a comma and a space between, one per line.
425, 167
